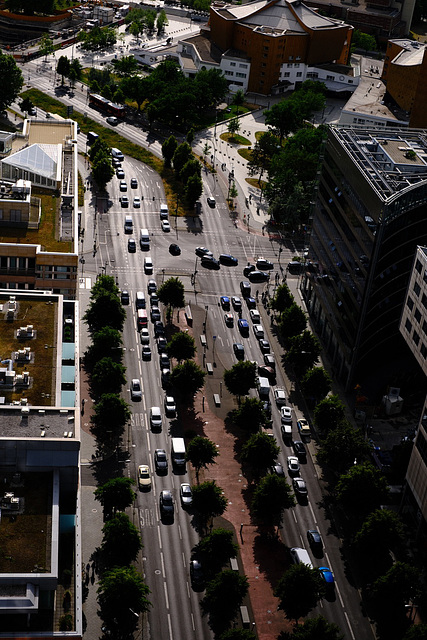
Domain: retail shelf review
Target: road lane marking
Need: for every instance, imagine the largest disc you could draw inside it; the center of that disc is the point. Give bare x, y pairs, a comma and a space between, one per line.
166, 594
349, 625
170, 626
192, 622
163, 564
160, 537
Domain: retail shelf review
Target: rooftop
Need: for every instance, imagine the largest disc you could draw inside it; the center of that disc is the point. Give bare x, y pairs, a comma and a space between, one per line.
412, 53
392, 160
39, 422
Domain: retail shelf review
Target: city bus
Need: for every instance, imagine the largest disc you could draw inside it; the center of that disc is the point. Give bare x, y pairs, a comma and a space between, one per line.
95, 100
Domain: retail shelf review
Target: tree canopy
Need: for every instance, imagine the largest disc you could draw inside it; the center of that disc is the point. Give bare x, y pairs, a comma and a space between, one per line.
105, 310
181, 346
11, 81
342, 447
108, 420
303, 352
208, 500
271, 496
171, 293
107, 376
200, 453
292, 321
382, 531
316, 383
283, 298
216, 549
250, 415
317, 629
224, 595
259, 452
106, 340
188, 378
240, 378
329, 414
299, 590
361, 490
122, 591
121, 541
116, 494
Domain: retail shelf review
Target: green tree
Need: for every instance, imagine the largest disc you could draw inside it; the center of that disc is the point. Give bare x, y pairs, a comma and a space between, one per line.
171, 293
121, 593
240, 378
190, 136
193, 189
292, 321
239, 99
76, 66
382, 531
299, 590
104, 283
126, 66
99, 149
121, 541
329, 414
233, 127
133, 87
191, 168
73, 77
209, 501
105, 310
250, 416
282, 118
341, 447
317, 629
224, 595
263, 151
271, 496
201, 452
12, 81
291, 208
107, 377
63, 67
168, 149
106, 340
259, 452
361, 490
316, 383
26, 104
206, 151
102, 171
216, 549
161, 21
283, 298
181, 346
188, 378
303, 352
181, 155
110, 415
46, 47
417, 632
115, 495
361, 40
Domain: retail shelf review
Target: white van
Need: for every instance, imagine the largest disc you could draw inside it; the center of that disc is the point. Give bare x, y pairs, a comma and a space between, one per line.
144, 239
140, 300
128, 226
263, 387
116, 153
164, 212
148, 265
300, 556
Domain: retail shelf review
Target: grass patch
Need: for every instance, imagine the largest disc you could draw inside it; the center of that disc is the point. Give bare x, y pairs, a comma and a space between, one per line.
81, 196
245, 153
234, 138
43, 317
254, 182
172, 187
23, 536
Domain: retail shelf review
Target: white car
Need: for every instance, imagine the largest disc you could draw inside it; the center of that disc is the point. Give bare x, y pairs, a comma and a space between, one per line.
144, 336
186, 495
255, 317
144, 477
135, 390
166, 226
258, 331
137, 202
303, 427
280, 397
170, 405
156, 420
293, 465
286, 415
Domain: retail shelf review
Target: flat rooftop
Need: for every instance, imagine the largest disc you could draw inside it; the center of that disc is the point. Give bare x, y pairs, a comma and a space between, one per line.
55, 423
392, 160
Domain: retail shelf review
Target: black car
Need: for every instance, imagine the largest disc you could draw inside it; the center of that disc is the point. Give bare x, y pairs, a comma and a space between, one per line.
210, 263
299, 449
315, 540
174, 250
160, 460
264, 265
159, 328
124, 297
196, 575
166, 505
251, 303
237, 303
245, 288
227, 260
133, 183
146, 352
258, 276
264, 345
248, 269
239, 350
161, 344
267, 372
131, 245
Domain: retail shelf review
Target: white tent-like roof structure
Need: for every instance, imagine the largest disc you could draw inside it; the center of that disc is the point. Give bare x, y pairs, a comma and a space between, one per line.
43, 161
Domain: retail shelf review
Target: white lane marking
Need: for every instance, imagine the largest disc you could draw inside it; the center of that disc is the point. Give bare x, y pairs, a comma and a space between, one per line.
339, 595
163, 564
180, 532
295, 516
312, 513
183, 560
349, 626
166, 594
170, 626
188, 589
160, 537
192, 622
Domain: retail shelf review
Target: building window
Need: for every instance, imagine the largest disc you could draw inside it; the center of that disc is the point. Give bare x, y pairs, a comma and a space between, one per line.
408, 325
332, 78
417, 315
418, 266
415, 338
296, 65
262, 73
425, 327
423, 351
243, 66
263, 64
291, 57
240, 75
15, 215
298, 58
286, 74
232, 64
299, 74
264, 55
229, 73
289, 66
265, 48
417, 289
424, 300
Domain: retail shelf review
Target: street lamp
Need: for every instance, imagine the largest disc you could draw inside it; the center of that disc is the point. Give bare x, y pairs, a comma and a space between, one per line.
206, 317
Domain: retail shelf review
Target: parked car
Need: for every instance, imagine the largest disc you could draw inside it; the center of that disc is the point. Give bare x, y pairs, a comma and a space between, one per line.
135, 390
328, 577
254, 315
144, 336
186, 495
300, 487
277, 469
269, 360
250, 302
299, 449
161, 344
264, 345
159, 328
267, 372
286, 415
196, 575
258, 331
160, 460
236, 302
144, 477
248, 269
243, 326
245, 289
315, 540
170, 406
303, 427
166, 505
164, 361
211, 201
155, 314
151, 286
280, 396
165, 377
123, 186
124, 201
154, 299
120, 173
293, 465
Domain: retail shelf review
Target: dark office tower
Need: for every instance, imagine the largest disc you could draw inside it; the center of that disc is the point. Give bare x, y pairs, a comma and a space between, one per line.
370, 215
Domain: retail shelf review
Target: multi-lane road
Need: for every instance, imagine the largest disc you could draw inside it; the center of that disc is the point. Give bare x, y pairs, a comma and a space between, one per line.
167, 547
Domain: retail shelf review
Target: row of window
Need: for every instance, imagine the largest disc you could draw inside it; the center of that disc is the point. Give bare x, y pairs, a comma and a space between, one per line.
238, 75
286, 74
14, 215
9, 262
241, 65
416, 337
